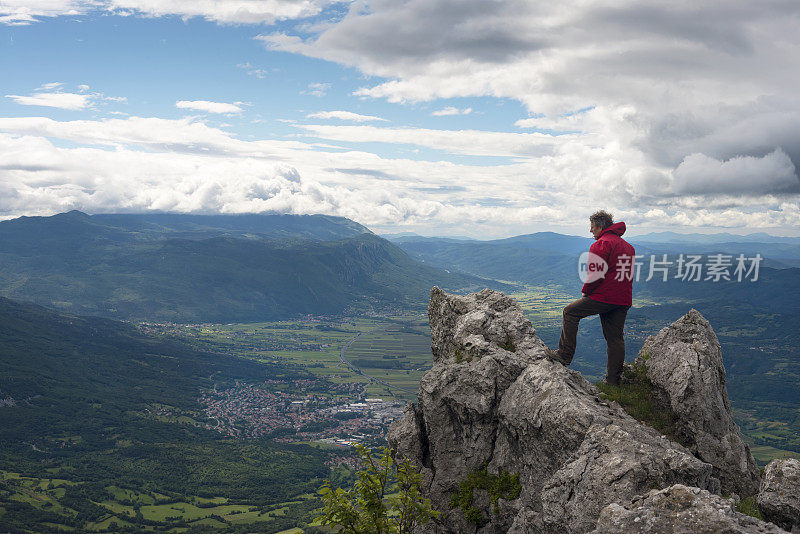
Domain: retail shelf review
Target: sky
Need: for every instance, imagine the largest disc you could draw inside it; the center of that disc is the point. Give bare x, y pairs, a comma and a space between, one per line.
479, 118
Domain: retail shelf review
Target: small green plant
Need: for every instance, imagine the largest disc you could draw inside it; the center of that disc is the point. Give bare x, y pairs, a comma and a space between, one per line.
504, 485
749, 506
508, 345
636, 395
386, 498
461, 358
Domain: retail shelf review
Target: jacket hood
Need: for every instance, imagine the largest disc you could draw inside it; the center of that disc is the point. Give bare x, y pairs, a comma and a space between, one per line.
616, 228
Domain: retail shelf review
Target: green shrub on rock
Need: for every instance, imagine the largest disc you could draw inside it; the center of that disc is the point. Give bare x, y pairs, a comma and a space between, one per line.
504, 485
386, 498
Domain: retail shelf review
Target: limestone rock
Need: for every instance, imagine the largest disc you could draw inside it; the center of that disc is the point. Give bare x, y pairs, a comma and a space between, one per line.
492, 399
612, 464
477, 324
679, 509
684, 362
779, 497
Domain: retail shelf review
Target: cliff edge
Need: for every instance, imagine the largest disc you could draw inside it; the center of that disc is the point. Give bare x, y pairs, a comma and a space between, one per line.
510, 441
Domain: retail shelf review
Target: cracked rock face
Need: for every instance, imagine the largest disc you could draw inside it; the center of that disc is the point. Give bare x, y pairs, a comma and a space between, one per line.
679, 509
492, 399
779, 497
684, 362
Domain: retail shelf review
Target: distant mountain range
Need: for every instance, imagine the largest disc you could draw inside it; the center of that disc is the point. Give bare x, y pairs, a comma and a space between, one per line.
653, 237
724, 237
218, 268
548, 257
158, 226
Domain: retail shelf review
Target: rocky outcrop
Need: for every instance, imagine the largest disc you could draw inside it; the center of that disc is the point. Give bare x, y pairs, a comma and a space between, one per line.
493, 400
679, 510
684, 362
470, 327
779, 496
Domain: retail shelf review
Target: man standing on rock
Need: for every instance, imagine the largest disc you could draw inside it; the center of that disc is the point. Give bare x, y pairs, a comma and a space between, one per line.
608, 291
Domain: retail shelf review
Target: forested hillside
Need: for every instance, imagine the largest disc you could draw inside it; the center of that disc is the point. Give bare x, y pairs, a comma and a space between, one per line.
211, 268
89, 407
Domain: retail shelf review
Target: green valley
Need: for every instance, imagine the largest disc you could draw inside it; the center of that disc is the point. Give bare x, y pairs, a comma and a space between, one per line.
87, 406
259, 349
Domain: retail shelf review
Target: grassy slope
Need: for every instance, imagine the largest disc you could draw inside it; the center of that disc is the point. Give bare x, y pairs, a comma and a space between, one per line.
82, 389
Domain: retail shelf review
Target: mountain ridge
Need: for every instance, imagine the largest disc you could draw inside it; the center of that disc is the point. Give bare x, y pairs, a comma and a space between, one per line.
149, 226
187, 273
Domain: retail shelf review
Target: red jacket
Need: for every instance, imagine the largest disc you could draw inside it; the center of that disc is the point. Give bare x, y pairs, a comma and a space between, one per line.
616, 287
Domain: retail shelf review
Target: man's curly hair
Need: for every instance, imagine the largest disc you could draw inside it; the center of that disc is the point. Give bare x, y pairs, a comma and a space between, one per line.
601, 218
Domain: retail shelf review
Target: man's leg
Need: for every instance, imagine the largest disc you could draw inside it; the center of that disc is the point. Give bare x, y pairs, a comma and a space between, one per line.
573, 313
613, 322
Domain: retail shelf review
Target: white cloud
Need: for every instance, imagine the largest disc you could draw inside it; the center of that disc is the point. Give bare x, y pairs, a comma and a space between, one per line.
253, 71
52, 86
700, 174
181, 136
226, 11
575, 122
21, 12
344, 115
50, 95
71, 101
208, 107
176, 174
467, 142
148, 163
650, 84
317, 89
450, 110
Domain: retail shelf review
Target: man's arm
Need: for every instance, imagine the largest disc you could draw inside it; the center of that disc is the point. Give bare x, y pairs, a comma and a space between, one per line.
601, 249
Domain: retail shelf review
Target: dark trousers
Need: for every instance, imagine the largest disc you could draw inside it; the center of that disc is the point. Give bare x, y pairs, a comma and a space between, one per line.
612, 318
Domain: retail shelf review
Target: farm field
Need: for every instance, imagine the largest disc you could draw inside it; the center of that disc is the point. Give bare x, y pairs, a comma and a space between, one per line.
764, 454
152, 511
544, 305
398, 358
395, 351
